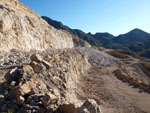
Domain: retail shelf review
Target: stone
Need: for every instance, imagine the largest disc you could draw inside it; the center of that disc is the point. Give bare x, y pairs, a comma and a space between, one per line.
1, 97
12, 85
20, 90
35, 97
37, 58
46, 64
89, 106
85, 111
39, 68
20, 100
33, 64
56, 92
27, 72
26, 88
66, 108
48, 98
12, 75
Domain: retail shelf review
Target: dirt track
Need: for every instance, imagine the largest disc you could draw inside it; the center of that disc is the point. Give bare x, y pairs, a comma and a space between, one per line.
113, 95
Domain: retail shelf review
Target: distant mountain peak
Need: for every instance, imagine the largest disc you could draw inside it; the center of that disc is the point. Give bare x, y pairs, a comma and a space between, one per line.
137, 31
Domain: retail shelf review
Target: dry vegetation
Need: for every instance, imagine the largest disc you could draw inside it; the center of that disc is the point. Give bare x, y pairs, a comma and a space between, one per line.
146, 65
98, 48
117, 54
132, 81
130, 53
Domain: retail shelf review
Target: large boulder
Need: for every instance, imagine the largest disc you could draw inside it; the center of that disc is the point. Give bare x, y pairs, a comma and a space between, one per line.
89, 106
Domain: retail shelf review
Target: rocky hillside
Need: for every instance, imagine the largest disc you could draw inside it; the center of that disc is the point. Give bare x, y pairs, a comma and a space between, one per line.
21, 28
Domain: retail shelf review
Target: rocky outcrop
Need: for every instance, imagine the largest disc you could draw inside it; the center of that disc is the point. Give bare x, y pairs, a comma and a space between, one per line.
21, 28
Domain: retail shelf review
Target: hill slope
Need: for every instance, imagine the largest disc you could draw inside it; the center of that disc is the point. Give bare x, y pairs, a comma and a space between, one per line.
21, 28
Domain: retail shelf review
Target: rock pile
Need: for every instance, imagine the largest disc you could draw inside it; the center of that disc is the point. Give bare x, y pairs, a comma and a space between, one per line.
46, 85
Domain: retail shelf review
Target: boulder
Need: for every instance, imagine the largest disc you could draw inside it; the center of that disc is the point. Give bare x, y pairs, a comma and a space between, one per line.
33, 64
20, 100
89, 106
26, 88
27, 72
20, 90
48, 98
12, 75
66, 108
39, 68
37, 58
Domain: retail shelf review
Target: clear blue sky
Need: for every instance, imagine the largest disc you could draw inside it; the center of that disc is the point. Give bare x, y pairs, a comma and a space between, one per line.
113, 16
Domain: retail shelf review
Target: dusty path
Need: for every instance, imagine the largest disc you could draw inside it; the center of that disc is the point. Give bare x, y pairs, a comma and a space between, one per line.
113, 95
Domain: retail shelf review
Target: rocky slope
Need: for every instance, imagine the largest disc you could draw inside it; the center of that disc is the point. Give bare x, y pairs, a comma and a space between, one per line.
21, 28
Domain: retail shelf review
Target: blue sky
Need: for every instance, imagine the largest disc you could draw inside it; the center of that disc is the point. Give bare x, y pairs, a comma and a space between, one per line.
113, 16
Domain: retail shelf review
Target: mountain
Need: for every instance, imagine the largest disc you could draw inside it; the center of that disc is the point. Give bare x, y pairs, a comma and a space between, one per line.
136, 40
104, 38
131, 37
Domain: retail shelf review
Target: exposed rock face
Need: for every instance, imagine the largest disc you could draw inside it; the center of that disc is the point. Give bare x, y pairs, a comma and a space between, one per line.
21, 28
